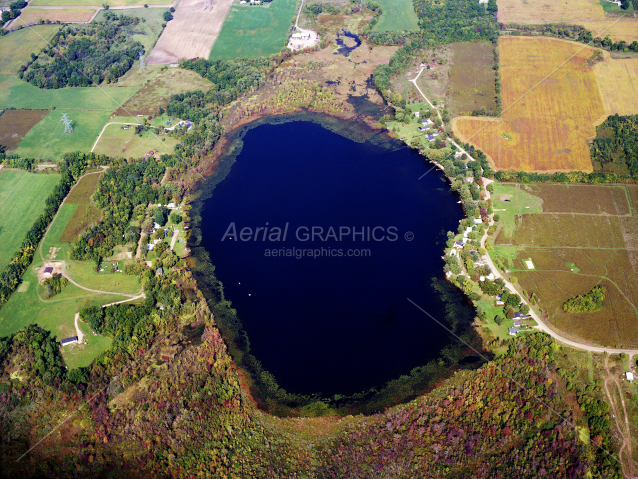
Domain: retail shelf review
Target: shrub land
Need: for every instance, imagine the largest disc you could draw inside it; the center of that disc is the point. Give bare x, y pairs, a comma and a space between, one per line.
22, 199
590, 243
472, 79
14, 124
587, 303
254, 31
548, 112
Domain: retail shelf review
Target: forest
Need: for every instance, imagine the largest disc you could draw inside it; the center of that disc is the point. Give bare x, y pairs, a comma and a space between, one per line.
84, 55
618, 142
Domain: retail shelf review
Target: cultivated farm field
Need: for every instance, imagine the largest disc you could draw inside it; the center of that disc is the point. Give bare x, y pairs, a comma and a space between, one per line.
14, 124
585, 235
14, 93
22, 200
17, 47
97, 3
549, 11
397, 15
254, 31
618, 84
192, 32
551, 103
47, 139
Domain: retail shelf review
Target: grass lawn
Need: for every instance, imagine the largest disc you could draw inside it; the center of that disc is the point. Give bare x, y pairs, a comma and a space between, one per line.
397, 15
14, 93
22, 199
116, 142
47, 139
96, 3
149, 31
512, 201
254, 31
16, 47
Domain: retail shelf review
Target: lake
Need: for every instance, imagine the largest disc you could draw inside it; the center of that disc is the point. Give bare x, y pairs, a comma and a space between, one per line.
320, 240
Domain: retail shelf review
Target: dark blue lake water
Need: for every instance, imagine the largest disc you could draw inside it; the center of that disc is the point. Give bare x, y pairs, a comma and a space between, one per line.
331, 324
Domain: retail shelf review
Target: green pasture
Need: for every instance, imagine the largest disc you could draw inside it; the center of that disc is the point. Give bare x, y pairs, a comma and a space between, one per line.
47, 139
22, 199
149, 30
28, 306
255, 31
17, 46
116, 142
397, 15
510, 201
14, 93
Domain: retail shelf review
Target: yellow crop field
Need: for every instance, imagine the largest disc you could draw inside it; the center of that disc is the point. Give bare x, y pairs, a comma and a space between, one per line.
623, 29
549, 11
551, 103
618, 85
31, 15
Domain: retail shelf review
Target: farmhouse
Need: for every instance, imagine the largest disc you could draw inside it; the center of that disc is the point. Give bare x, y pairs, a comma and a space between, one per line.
513, 331
71, 340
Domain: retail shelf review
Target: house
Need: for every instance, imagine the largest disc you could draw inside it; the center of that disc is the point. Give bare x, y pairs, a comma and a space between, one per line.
483, 1
517, 324
427, 121
629, 376
424, 128
478, 221
513, 331
172, 205
189, 125
490, 276
518, 316
417, 114
431, 136
159, 272
71, 340
499, 296
459, 244
469, 179
452, 252
48, 271
458, 154
150, 246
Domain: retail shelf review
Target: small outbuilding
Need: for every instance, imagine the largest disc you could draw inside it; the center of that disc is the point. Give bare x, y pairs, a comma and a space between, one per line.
71, 340
629, 376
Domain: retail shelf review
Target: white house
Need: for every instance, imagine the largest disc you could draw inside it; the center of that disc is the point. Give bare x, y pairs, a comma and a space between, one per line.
629, 376
513, 331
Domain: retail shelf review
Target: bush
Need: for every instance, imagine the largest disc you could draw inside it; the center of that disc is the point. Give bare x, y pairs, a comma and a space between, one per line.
167, 16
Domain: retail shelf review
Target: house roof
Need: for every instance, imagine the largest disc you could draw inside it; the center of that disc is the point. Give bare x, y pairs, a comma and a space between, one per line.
517, 324
48, 269
513, 331
69, 340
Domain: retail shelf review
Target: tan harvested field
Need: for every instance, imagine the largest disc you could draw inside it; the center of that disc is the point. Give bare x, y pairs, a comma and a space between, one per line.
550, 106
14, 124
191, 33
625, 29
548, 11
575, 244
31, 15
618, 84
583, 199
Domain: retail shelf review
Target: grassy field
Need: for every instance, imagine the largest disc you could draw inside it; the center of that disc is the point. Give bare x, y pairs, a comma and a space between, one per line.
585, 235
14, 124
550, 106
65, 15
116, 142
82, 191
22, 197
17, 47
472, 78
397, 15
47, 139
159, 88
14, 93
252, 31
96, 3
83, 217
625, 29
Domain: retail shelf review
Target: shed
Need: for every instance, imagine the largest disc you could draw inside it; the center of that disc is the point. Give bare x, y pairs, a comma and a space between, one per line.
517, 324
71, 340
48, 270
629, 376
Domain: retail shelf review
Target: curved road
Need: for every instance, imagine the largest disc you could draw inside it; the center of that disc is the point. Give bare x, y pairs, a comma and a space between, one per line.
541, 325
